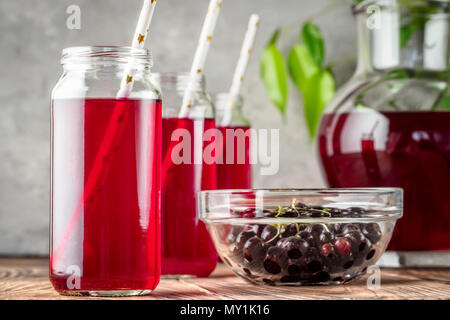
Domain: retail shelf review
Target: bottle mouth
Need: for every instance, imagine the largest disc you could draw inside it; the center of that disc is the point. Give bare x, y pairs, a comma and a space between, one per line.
102, 54
178, 81
223, 99
442, 7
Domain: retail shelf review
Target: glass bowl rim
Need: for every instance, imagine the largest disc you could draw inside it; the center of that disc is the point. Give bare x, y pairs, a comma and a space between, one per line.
382, 216
293, 191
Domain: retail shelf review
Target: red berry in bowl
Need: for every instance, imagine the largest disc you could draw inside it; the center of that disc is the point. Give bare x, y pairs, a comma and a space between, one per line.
327, 250
342, 246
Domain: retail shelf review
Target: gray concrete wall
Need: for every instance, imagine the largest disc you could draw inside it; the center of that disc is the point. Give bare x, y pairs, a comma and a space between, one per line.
32, 34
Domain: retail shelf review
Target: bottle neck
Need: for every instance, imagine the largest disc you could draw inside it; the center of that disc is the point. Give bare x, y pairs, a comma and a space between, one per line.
174, 85
223, 100
391, 35
229, 110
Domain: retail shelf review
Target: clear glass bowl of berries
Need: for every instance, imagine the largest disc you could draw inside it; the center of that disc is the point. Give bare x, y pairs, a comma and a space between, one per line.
302, 236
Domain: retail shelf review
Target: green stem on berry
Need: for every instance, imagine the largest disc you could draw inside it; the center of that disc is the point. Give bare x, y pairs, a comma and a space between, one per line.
278, 233
325, 225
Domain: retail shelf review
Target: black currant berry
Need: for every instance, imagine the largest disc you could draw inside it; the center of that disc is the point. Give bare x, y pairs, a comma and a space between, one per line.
275, 260
319, 277
300, 205
290, 279
370, 254
268, 282
254, 250
325, 237
355, 212
233, 234
315, 229
295, 266
290, 213
337, 228
294, 246
350, 227
289, 230
257, 228
270, 234
313, 261
357, 240
334, 212
348, 264
269, 213
372, 231
242, 238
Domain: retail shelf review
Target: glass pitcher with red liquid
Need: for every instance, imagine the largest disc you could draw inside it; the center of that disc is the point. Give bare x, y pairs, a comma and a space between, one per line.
187, 249
234, 169
105, 175
389, 126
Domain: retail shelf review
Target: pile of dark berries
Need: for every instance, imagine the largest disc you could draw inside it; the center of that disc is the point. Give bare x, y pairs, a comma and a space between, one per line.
309, 253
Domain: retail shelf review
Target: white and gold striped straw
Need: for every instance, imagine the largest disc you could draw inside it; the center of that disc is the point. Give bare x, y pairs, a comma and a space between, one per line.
140, 35
201, 53
241, 67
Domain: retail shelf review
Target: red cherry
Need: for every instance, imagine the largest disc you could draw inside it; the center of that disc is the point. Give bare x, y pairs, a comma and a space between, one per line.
327, 249
342, 246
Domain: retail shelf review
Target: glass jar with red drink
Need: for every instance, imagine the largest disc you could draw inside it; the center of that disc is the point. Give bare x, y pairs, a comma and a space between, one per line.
389, 126
188, 166
234, 169
105, 174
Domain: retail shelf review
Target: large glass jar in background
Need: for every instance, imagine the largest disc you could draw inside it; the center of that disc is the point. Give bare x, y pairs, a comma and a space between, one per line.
234, 171
389, 126
187, 248
105, 175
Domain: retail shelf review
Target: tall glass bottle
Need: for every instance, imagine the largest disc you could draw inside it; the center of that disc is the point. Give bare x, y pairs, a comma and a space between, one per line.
187, 249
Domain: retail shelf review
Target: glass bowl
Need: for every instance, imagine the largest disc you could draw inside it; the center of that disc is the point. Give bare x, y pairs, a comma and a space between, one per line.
303, 236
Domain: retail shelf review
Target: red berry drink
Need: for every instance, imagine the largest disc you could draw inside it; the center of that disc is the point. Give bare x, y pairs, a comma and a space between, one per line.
105, 236
237, 173
187, 248
410, 150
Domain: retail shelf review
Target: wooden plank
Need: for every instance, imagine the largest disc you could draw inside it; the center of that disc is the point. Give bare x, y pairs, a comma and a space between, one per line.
28, 279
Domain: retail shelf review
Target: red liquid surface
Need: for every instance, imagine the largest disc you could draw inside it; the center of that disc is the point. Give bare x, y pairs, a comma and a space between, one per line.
237, 173
114, 242
410, 150
187, 248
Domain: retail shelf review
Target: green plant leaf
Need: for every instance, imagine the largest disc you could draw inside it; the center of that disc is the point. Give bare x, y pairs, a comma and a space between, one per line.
417, 23
301, 66
316, 95
444, 103
313, 41
406, 33
274, 74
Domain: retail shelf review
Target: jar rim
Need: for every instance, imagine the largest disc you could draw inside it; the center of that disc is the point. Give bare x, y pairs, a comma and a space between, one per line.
120, 54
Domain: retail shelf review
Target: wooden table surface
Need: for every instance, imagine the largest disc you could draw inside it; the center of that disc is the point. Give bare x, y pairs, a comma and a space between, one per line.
28, 279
